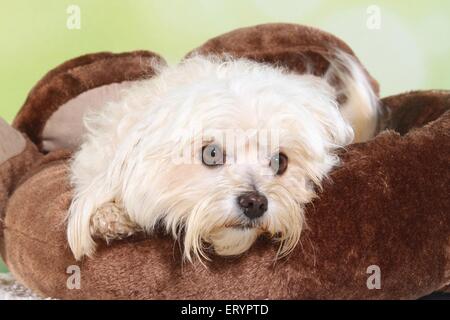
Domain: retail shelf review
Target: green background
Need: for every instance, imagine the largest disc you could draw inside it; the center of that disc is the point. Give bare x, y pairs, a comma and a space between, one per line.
410, 50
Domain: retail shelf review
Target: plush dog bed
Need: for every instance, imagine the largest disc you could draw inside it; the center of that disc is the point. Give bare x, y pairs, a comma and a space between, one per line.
387, 205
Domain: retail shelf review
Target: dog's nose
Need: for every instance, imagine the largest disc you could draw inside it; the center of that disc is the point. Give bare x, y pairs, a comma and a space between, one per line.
253, 204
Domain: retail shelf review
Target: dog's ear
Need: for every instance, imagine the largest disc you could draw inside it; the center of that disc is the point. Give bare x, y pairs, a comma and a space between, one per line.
52, 114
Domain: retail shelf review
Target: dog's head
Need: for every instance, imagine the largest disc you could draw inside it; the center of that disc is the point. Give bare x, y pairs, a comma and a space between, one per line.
224, 151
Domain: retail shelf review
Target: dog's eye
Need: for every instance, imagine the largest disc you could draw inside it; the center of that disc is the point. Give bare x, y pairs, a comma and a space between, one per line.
212, 155
279, 163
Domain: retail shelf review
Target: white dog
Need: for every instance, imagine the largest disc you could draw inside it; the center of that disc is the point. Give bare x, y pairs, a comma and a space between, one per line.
255, 141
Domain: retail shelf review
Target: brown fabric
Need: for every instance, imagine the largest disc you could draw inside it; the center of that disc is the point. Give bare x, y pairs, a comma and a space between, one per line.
12, 173
299, 48
75, 77
13, 142
387, 205
414, 109
65, 127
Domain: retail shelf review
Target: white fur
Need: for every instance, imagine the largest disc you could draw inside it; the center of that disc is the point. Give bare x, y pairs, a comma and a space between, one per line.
127, 154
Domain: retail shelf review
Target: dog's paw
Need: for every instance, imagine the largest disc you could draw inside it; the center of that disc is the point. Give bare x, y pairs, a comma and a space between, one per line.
110, 222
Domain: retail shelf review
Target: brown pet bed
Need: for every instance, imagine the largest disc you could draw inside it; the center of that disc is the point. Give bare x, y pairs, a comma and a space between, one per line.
387, 205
